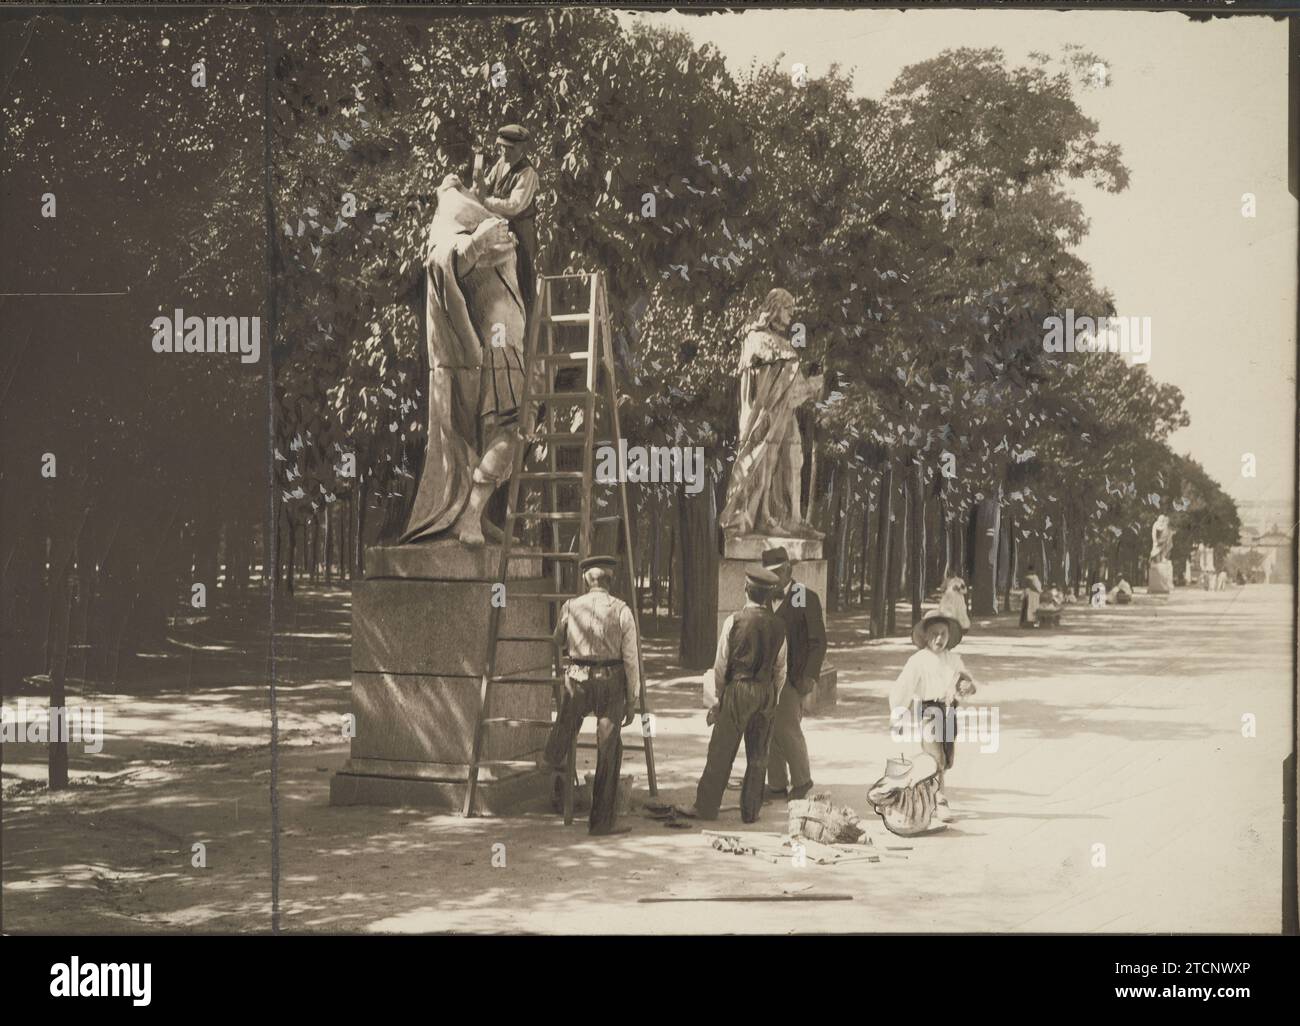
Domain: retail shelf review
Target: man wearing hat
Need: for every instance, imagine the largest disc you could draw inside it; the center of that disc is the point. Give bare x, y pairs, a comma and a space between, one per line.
602, 676
749, 672
509, 190
927, 690
800, 610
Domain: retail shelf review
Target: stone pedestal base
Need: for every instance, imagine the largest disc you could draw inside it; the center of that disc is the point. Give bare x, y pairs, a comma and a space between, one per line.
740, 553
744, 552
419, 638
822, 699
1160, 578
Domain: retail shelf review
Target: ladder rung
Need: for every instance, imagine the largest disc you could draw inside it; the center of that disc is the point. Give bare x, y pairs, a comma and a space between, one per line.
562, 357
527, 680
525, 514
570, 318
566, 436
524, 637
548, 596
551, 475
513, 763
552, 397
570, 274
512, 722
626, 748
560, 555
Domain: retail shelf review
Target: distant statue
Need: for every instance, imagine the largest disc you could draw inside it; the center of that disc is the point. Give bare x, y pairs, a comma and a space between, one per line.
763, 495
1162, 539
474, 331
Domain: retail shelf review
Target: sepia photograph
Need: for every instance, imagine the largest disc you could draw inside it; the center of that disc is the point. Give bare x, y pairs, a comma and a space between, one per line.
576, 470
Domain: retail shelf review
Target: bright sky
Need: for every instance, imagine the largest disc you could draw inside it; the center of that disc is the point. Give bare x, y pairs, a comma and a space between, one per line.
1199, 109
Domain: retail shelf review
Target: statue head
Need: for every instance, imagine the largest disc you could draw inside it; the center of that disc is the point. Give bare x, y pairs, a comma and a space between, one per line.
776, 311
458, 210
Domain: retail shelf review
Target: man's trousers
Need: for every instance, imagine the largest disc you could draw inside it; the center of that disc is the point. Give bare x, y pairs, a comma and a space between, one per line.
745, 712
605, 695
788, 748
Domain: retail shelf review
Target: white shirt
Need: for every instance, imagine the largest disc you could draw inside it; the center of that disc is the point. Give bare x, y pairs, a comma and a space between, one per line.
926, 677
599, 626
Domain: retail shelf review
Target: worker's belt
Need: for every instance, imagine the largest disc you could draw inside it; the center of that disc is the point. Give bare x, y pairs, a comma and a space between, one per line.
594, 669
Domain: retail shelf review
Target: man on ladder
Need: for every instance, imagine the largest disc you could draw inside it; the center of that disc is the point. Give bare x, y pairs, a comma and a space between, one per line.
598, 632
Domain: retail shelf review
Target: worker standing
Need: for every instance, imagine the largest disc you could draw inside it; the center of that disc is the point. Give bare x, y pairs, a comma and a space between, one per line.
602, 677
750, 671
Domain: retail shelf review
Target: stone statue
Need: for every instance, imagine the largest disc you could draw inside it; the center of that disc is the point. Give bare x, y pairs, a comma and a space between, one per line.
474, 331
763, 495
1162, 539
1160, 572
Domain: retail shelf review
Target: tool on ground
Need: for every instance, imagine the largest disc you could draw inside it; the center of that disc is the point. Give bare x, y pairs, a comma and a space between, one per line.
570, 529
753, 897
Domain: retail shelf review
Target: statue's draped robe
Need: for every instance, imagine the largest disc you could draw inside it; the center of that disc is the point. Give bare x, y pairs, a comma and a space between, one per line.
1162, 539
474, 386
772, 388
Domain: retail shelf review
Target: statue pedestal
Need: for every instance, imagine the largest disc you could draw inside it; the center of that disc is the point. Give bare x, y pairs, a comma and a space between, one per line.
742, 552
1160, 578
419, 638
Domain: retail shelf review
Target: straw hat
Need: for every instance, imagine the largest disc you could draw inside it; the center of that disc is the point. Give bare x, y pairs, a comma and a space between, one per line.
933, 617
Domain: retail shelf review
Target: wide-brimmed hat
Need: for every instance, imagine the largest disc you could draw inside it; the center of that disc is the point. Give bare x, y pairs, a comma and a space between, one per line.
932, 617
773, 558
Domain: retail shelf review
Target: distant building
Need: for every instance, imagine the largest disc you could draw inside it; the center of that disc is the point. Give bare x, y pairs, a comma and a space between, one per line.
1279, 564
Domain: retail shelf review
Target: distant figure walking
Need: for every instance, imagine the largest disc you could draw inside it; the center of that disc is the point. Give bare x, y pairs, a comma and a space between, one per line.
952, 603
1033, 590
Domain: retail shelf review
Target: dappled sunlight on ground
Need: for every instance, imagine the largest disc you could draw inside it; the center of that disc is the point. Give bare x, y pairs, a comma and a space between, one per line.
1121, 729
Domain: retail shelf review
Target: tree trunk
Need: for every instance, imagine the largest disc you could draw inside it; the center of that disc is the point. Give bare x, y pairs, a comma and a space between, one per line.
879, 590
291, 555
674, 592
916, 537
844, 507
866, 542
1011, 561
698, 517
832, 537
894, 564
58, 750
984, 591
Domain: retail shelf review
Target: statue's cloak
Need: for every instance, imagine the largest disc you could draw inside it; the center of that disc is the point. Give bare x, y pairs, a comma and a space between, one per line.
772, 388
474, 331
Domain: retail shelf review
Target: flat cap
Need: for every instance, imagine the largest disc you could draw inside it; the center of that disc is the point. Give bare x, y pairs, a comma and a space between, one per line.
762, 578
608, 562
513, 133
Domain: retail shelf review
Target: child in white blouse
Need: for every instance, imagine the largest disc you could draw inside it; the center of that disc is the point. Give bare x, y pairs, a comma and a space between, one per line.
927, 690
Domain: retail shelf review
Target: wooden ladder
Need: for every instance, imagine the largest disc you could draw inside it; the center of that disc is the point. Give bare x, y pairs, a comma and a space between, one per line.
541, 349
